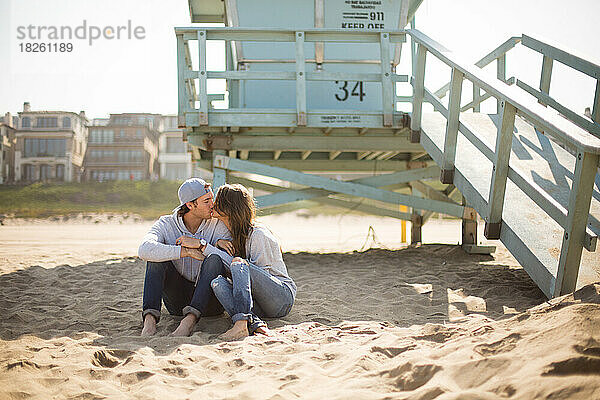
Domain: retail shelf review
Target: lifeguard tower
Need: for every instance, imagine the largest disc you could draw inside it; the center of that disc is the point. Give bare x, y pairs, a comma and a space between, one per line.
317, 86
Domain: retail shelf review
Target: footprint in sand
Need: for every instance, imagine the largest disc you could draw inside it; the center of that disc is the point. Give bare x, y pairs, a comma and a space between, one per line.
501, 346
410, 377
392, 352
574, 366
111, 358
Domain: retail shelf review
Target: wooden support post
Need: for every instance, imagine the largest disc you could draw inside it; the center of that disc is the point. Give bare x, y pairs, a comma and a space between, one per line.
418, 93
469, 225
501, 75
181, 67
596, 108
416, 221
546, 76
300, 80
403, 209
500, 171
202, 75
219, 169
476, 98
577, 217
386, 80
334, 154
447, 174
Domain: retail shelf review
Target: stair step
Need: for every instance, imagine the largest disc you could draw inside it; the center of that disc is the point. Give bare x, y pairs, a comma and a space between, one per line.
532, 236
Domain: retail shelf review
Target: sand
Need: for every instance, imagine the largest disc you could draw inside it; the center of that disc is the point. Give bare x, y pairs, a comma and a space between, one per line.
426, 322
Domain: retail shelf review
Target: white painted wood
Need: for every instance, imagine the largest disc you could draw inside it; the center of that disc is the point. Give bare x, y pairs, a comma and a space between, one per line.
453, 121
202, 77
418, 89
501, 165
586, 168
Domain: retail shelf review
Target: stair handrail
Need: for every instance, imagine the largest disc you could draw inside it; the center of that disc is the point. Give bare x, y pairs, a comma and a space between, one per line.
499, 53
585, 146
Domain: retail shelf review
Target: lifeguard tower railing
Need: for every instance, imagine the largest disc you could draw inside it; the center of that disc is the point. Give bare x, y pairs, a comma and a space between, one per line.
520, 205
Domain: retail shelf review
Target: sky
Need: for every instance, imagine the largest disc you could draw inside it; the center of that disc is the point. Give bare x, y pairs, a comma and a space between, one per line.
139, 75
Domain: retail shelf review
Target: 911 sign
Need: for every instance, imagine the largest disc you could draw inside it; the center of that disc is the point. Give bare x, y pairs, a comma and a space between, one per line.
344, 90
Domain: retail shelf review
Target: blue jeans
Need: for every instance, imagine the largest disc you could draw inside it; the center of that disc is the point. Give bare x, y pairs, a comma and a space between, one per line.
181, 297
251, 294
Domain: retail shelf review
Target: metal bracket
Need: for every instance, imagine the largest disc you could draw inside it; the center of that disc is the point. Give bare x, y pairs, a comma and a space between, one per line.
217, 143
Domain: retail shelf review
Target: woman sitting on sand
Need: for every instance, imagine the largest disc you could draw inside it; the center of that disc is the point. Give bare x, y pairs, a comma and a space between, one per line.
260, 285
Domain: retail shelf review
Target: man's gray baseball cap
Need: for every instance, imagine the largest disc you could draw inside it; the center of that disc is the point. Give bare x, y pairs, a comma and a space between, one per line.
191, 189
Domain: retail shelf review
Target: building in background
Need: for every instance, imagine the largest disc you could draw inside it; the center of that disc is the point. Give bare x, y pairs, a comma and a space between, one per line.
50, 145
123, 147
174, 158
7, 148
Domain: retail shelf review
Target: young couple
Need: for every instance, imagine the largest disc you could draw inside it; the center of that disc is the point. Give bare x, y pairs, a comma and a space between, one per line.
209, 256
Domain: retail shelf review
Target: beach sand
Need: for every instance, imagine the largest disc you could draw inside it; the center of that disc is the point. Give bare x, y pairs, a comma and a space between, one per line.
425, 322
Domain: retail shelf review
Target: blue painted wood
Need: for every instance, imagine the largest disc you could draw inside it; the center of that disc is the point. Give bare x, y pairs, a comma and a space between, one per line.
373, 181
339, 187
202, 76
219, 174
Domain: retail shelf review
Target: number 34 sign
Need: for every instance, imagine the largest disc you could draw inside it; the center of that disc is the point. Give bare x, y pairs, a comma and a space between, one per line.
344, 93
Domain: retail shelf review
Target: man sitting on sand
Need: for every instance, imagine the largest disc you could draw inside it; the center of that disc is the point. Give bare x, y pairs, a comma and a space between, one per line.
180, 276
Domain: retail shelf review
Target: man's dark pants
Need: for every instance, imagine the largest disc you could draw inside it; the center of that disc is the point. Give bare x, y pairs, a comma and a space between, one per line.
163, 282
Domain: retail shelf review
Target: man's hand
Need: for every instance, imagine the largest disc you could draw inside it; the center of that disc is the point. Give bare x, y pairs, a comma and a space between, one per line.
189, 242
194, 253
226, 245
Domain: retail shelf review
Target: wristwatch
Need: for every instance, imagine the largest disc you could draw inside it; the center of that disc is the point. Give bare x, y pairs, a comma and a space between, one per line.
203, 244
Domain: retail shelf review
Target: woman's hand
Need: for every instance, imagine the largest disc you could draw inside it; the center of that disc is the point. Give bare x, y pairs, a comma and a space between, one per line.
226, 245
193, 253
189, 242
239, 260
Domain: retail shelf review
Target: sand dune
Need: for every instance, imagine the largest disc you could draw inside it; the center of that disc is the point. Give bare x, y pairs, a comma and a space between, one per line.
429, 322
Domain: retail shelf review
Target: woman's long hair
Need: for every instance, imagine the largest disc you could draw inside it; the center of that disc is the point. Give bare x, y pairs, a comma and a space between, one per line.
236, 202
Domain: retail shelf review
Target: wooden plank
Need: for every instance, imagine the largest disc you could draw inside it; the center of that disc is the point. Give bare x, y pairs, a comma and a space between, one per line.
476, 98
593, 128
287, 35
387, 96
579, 62
219, 174
430, 192
181, 97
501, 75
290, 76
287, 196
580, 198
305, 154
276, 154
452, 127
500, 172
348, 188
285, 117
418, 94
317, 143
319, 23
300, 80
327, 165
546, 76
596, 108
334, 154
202, 88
